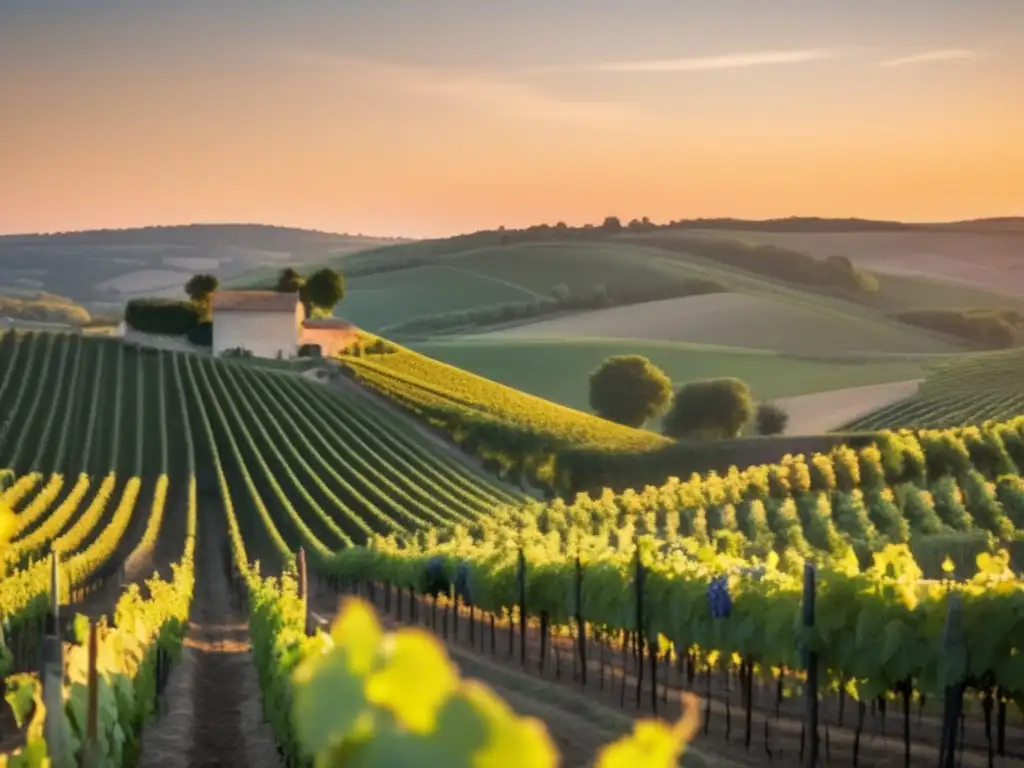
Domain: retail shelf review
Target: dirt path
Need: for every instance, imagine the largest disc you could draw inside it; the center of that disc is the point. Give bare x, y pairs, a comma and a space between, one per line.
774, 738
213, 714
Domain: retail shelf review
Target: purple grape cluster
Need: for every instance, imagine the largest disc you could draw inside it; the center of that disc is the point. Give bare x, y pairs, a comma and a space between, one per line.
719, 600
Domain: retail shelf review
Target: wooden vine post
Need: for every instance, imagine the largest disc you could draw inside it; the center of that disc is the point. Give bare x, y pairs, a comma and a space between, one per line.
638, 642
521, 579
92, 707
811, 665
955, 651
53, 669
581, 627
304, 592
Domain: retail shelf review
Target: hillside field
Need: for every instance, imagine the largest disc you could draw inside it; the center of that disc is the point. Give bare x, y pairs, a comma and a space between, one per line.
971, 390
217, 474
102, 269
557, 369
732, 320
482, 277
989, 262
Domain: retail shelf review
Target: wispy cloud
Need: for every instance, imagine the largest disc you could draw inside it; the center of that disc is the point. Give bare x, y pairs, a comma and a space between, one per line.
490, 92
700, 63
942, 54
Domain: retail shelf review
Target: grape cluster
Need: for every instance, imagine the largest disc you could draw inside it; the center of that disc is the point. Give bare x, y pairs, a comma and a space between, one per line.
719, 600
462, 583
436, 578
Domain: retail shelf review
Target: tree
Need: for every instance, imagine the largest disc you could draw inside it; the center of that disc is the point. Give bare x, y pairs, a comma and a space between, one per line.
612, 224
324, 289
288, 281
713, 408
629, 389
201, 287
770, 419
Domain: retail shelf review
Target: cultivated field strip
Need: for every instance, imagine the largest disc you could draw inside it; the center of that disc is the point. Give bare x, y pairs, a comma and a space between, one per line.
984, 387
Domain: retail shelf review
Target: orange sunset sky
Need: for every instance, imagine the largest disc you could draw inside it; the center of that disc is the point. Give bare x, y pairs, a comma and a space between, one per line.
403, 117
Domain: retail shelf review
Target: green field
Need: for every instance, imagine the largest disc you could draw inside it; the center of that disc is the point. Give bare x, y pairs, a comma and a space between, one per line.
790, 320
375, 301
557, 369
733, 320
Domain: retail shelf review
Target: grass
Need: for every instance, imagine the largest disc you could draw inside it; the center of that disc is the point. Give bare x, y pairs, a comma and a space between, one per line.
374, 301
557, 369
734, 320
786, 319
971, 390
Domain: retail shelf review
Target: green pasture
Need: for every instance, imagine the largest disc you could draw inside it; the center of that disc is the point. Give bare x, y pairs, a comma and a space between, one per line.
785, 319
558, 369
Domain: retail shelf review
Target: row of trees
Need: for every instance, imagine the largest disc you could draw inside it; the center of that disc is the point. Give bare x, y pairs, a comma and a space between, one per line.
631, 390
321, 291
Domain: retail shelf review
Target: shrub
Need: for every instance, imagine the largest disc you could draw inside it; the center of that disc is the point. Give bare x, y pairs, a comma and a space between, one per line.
168, 317
201, 335
378, 347
629, 389
714, 408
990, 328
770, 419
288, 281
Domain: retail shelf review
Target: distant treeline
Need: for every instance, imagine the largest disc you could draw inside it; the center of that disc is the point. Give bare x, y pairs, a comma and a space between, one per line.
256, 236
561, 299
992, 328
774, 262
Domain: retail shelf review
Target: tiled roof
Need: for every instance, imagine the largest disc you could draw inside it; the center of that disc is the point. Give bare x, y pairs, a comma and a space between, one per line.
328, 323
254, 301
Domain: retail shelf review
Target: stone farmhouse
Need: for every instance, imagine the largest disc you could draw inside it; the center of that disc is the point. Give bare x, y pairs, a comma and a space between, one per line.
273, 325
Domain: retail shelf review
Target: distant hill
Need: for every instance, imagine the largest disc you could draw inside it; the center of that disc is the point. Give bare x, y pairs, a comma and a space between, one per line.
102, 268
817, 224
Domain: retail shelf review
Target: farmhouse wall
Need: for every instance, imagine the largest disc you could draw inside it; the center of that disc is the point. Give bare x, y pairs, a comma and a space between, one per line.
265, 334
332, 341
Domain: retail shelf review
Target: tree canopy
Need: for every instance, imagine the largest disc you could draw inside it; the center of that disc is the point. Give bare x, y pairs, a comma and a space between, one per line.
289, 281
324, 289
714, 408
770, 419
629, 389
201, 287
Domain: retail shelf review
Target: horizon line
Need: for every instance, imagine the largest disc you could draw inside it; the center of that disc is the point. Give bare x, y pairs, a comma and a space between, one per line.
315, 230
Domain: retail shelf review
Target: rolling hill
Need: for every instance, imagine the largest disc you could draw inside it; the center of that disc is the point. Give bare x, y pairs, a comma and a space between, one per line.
818, 338
102, 268
557, 368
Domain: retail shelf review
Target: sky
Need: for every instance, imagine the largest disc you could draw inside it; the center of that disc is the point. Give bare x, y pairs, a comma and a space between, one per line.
414, 118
